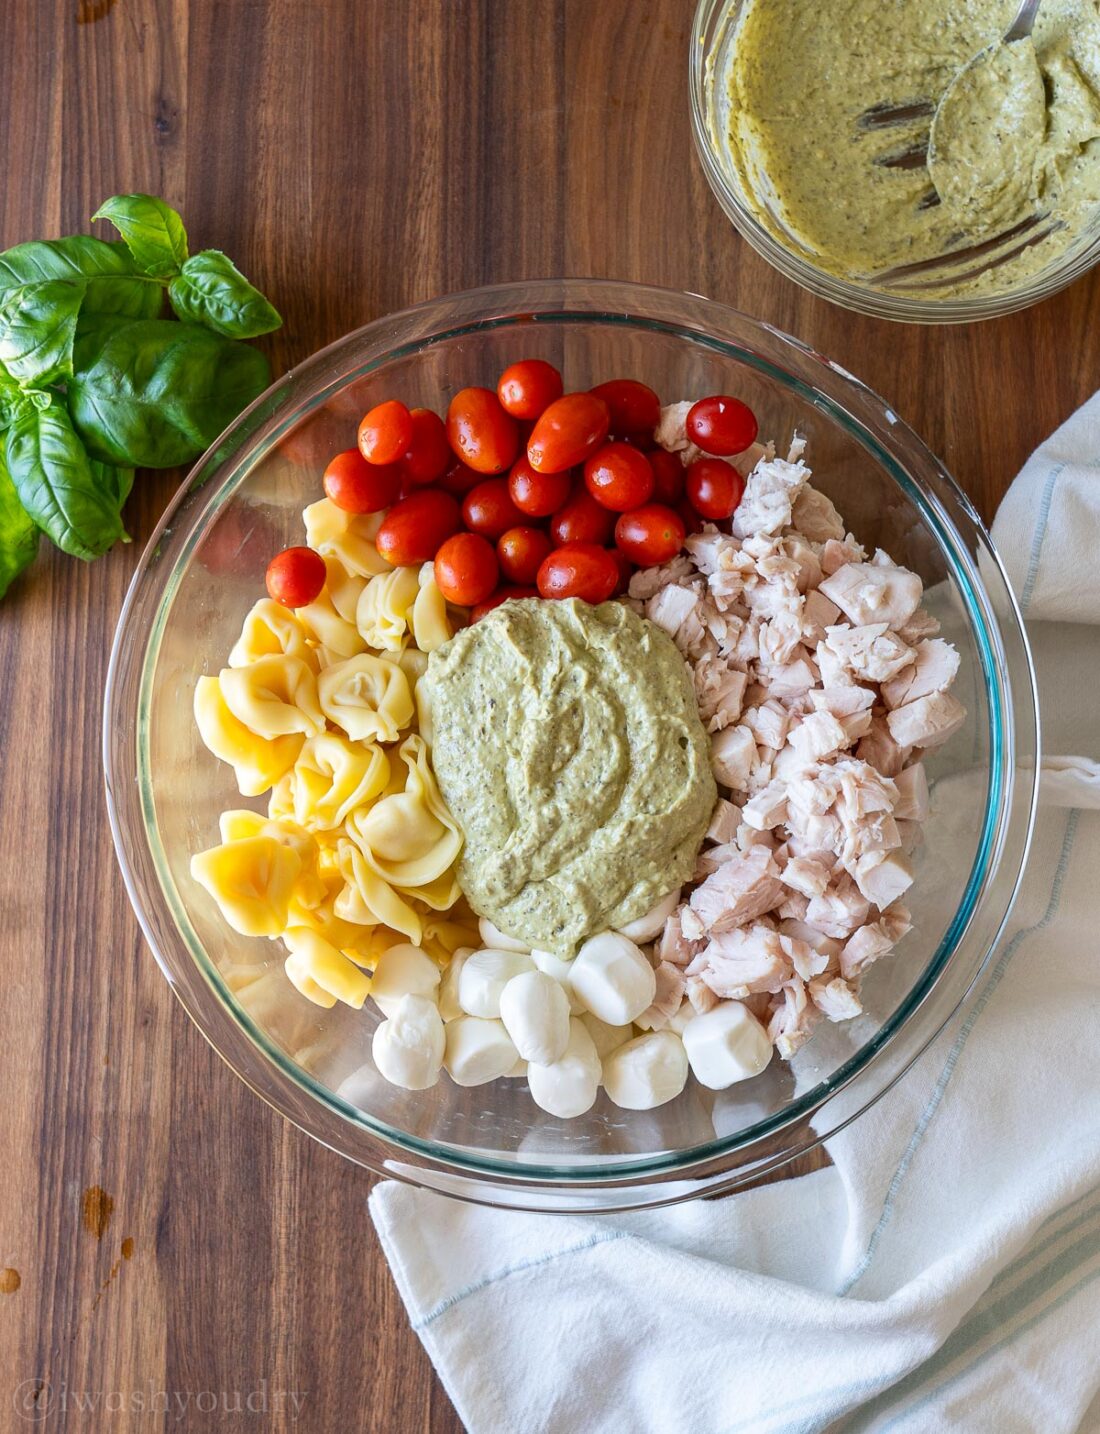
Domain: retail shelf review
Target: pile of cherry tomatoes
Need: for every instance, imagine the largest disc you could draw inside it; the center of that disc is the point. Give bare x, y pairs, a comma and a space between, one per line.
530, 491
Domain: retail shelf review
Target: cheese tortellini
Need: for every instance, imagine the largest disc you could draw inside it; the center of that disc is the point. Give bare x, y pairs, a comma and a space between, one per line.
319, 707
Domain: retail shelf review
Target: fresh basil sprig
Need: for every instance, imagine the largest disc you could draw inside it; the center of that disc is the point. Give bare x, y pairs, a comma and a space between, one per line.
94, 382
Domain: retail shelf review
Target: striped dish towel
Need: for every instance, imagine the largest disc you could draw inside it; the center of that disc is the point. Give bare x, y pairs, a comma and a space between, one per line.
944, 1273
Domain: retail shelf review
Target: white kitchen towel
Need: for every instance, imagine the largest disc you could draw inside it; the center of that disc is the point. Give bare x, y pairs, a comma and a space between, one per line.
944, 1273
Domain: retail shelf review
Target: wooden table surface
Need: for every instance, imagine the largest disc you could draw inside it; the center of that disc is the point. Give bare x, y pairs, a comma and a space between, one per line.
168, 1243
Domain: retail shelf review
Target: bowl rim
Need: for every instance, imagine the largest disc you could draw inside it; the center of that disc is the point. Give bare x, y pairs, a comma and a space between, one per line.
535, 301
862, 298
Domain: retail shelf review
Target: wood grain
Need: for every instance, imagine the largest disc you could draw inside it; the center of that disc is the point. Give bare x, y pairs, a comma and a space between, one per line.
355, 156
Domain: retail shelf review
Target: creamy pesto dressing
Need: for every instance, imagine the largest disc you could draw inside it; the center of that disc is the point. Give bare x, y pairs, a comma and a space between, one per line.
1018, 134
568, 746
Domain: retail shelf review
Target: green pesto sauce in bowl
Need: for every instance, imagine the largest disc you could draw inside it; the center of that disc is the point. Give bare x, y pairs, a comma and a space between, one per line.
568, 745
1016, 133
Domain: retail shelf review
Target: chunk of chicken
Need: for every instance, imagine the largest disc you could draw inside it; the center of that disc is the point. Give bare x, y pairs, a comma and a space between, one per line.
805, 875
793, 1018
700, 995
743, 889
815, 517
671, 987
647, 581
719, 692
818, 613
742, 962
724, 821
871, 593
878, 748
672, 945
837, 552
933, 670
927, 722
834, 998
817, 736
883, 876
839, 910
921, 625
768, 808
912, 803
770, 490
863, 949
769, 724
861, 654
671, 432
732, 757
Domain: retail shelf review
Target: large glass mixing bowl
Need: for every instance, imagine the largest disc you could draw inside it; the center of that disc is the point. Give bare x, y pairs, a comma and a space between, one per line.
203, 569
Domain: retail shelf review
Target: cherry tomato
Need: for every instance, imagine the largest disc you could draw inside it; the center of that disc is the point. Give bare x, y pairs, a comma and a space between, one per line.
503, 594
635, 409
689, 517
537, 494
521, 551
466, 569
480, 432
386, 432
714, 488
721, 425
619, 477
527, 387
579, 570
650, 535
428, 453
459, 479
567, 432
488, 509
581, 520
358, 486
668, 476
296, 576
416, 528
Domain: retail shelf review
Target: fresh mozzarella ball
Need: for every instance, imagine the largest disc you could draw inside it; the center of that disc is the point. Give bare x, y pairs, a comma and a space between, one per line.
484, 976
726, 1044
477, 1051
676, 1022
613, 978
604, 1037
650, 926
561, 972
449, 1008
403, 970
518, 1071
648, 1071
568, 1087
408, 1046
535, 1012
497, 940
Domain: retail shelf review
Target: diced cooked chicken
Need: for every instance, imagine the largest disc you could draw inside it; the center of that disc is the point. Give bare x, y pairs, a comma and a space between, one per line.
871, 593
861, 654
769, 724
878, 748
921, 625
708, 549
828, 948
770, 490
834, 998
863, 949
910, 836
719, 692
732, 757
647, 581
671, 607
672, 945
883, 876
691, 925
712, 858
912, 802
767, 808
927, 722
724, 821
818, 613
808, 960
808, 564
671, 987
896, 921
793, 1018
861, 790
743, 889
803, 874
846, 701
815, 517
793, 679
838, 551
793, 907
817, 736
934, 668
839, 910
700, 995
671, 433
742, 962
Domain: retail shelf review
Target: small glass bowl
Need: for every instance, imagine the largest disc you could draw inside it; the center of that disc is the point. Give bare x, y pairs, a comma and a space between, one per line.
203, 569
714, 35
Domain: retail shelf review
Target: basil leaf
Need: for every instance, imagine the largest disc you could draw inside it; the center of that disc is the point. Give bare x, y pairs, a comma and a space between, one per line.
37, 328
156, 393
211, 290
12, 399
57, 485
116, 481
114, 285
18, 535
153, 232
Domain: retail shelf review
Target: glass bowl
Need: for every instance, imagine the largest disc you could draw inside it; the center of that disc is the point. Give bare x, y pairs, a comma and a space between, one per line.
713, 38
203, 569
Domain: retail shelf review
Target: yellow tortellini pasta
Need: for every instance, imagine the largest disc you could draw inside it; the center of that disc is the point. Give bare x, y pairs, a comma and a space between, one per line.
367, 696
430, 623
322, 972
367, 899
273, 697
344, 588
385, 610
271, 630
444, 935
251, 879
257, 762
334, 777
409, 838
332, 532
338, 637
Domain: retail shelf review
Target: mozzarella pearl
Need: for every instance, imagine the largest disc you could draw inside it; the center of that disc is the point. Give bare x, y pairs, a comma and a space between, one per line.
650, 926
535, 1012
648, 1071
725, 1045
403, 970
497, 940
604, 1037
408, 1046
477, 1051
561, 971
613, 978
484, 976
570, 1085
